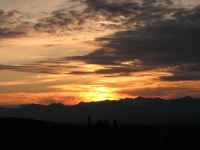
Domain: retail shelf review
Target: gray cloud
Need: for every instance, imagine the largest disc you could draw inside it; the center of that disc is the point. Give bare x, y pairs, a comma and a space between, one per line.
181, 77
11, 26
161, 92
166, 43
184, 72
7, 33
4, 15
44, 67
50, 100
122, 14
60, 99
50, 45
60, 20
130, 13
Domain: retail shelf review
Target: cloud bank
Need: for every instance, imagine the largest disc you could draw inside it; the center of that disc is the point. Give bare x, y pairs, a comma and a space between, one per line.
149, 35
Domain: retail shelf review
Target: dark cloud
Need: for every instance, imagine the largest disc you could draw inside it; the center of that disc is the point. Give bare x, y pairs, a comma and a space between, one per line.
80, 72
40, 67
121, 15
184, 72
130, 13
7, 14
117, 75
161, 92
171, 43
120, 70
26, 68
181, 77
10, 26
50, 45
60, 20
47, 101
109, 71
69, 100
7, 33
113, 7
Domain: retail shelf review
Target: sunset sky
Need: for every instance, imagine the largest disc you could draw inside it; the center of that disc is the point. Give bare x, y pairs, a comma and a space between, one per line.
90, 50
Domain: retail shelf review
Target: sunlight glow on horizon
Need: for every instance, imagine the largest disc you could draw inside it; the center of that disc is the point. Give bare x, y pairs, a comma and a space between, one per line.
91, 50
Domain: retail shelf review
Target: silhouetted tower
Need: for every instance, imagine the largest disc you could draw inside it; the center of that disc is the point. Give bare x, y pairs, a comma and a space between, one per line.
89, 121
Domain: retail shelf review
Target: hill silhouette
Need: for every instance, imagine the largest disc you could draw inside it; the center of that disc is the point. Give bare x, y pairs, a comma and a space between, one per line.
140, 110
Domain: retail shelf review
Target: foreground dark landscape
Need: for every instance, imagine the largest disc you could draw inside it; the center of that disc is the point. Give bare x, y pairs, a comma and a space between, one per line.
140, 110
18, 133
140, 123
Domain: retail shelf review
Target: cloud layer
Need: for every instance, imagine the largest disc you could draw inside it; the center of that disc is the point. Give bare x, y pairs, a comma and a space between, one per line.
11, 26
152, 35
166, 39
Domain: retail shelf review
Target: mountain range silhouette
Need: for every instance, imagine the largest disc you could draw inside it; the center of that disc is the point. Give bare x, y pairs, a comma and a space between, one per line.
140, 110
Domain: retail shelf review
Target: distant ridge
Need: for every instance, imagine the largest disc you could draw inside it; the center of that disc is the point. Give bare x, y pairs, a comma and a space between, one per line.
140, 110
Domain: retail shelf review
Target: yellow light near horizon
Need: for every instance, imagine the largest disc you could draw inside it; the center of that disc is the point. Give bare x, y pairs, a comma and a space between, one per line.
100, 97
100, 93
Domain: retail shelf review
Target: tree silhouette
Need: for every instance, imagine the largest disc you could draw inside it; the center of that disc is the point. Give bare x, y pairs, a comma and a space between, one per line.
114, 124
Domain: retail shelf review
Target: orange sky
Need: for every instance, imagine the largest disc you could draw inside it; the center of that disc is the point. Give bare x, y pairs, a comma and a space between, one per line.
91, 50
